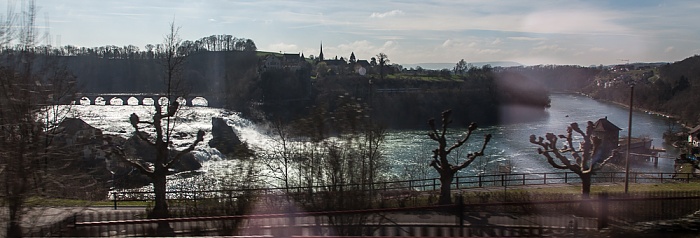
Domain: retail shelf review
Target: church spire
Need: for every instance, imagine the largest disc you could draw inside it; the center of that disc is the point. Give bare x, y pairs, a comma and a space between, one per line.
320, 55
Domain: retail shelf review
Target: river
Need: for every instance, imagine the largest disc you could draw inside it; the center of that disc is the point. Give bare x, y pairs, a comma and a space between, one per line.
408, 150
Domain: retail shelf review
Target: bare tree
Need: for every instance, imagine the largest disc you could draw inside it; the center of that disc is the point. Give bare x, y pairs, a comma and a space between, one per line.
163, 122
583, 160
461, 67
440, 161
29, 93
383, 61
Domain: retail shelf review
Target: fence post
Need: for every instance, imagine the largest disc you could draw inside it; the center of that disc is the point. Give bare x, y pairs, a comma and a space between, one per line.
480, 175
545, 178
114, 197
460, 214
566, 177
523, 179
457, 182
434, 184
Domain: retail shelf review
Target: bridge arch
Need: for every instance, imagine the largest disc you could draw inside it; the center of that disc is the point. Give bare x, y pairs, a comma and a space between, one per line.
85, 101
138, 99
199, 102
117, 101
163, 100
133, 101
99, 100
182, 101
147, 101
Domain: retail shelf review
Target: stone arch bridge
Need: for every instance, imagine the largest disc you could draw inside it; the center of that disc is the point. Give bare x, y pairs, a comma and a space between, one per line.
137, 99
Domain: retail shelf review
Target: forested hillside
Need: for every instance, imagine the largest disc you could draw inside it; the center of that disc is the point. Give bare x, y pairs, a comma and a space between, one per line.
671, 89
407, 101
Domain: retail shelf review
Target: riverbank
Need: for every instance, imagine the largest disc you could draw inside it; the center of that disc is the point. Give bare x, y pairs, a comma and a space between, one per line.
637, 108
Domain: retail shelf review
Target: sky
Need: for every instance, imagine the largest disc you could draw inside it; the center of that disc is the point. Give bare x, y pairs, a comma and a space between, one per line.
408, 32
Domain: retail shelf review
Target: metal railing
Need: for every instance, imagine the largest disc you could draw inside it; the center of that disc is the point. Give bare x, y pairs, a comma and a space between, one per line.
543, 218
395, 188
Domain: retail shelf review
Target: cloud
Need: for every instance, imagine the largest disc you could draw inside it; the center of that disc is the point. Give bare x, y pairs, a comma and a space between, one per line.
452, 43
363, 49
548, 48
599, 49
525, 38
448, 43
283, 47
386, 14
669, 49
584, 20
488, 51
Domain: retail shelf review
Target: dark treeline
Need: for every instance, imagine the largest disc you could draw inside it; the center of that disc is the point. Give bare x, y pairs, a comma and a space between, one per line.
204, 72
150, 51
406, 102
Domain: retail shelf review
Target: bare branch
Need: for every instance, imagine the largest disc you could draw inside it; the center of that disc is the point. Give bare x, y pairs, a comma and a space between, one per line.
459, 143
200, 138
435, 165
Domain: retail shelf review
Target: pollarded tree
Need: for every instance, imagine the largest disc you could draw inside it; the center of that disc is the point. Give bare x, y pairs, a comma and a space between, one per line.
583, 161
163, 123
440, 161
164, 161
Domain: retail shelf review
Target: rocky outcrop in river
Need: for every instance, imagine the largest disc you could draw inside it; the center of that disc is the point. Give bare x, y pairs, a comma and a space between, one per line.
224, 138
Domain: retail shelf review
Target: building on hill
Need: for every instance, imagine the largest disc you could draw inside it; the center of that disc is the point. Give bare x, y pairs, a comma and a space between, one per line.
271, 62
345, 66
337, 65
362, 64
320, 55
284, 61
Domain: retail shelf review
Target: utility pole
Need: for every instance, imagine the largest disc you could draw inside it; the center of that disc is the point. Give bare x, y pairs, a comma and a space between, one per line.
629, 141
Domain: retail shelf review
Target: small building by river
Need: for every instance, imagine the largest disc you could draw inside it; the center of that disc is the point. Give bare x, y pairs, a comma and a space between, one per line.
641, 148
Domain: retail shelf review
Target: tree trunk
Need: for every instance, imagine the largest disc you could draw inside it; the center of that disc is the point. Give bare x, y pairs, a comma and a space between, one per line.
445, 190
586, 208
14, 228
160, 209
585, 186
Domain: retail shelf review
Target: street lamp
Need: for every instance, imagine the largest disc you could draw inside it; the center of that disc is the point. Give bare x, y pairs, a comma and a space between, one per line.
629, 140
